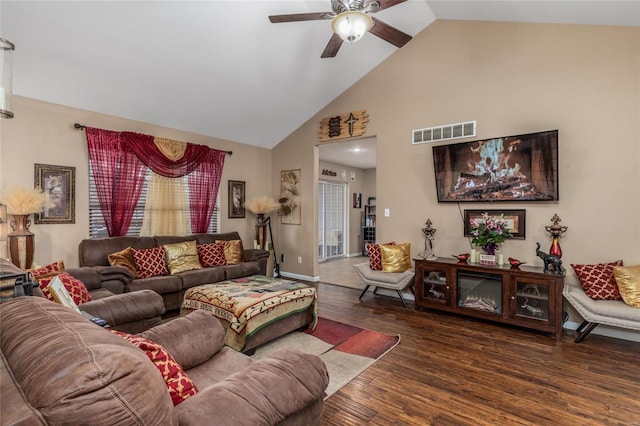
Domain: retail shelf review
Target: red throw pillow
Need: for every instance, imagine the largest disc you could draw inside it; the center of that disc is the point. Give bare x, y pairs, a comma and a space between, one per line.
375, 258
180, 386
150, 262
46, 271
74, 286
598, 280
211, 254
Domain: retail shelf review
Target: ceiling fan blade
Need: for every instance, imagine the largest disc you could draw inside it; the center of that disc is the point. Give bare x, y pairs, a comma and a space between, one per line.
332, 47
297, 17
385, 4
389, 33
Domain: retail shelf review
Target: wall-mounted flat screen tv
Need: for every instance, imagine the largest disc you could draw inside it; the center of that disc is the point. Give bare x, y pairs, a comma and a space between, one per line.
508, 168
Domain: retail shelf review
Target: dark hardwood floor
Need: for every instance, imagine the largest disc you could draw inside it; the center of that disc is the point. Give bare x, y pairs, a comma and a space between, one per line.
450, 370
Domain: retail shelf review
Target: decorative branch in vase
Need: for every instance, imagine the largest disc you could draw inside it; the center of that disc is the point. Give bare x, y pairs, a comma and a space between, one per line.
261, 206
21, 202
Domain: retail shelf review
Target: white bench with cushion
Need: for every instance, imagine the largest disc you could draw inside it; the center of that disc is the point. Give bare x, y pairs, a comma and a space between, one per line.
600, 280
397, 281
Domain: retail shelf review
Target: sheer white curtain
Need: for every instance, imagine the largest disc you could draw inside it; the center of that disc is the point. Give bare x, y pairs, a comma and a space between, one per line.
166, 211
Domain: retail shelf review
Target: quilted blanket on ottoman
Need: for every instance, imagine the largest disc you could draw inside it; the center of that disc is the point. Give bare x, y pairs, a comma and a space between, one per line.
245, 305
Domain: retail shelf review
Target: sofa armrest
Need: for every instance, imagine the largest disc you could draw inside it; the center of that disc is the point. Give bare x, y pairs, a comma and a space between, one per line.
192, 339
89, 276
250, 255
264, 393
126, 308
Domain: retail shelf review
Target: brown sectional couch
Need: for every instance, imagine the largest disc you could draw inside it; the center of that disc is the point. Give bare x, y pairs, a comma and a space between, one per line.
128, 312
94, 254
56, 367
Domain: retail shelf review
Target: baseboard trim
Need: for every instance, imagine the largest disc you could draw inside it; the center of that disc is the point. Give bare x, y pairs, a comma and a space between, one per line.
299, 277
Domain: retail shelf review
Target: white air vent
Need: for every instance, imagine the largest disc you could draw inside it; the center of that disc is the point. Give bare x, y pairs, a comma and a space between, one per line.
444, 133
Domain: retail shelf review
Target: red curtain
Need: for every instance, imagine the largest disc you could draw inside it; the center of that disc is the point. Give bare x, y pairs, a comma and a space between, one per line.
118, 161
118, 175
149, 153
204, 183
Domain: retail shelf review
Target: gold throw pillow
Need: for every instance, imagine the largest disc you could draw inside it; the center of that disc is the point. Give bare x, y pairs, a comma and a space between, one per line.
182, 257
124, 259
628, 280
395, 257
232, 251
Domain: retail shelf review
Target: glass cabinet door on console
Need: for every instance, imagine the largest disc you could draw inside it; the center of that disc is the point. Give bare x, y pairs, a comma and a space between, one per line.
531, 299
434, 287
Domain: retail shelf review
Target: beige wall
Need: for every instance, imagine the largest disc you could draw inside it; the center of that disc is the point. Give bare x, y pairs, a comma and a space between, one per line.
513, 79
361, 184
42, 132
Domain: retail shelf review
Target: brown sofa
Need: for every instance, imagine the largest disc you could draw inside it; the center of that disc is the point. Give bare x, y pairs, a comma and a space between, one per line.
94, 253
59, 368
128, 312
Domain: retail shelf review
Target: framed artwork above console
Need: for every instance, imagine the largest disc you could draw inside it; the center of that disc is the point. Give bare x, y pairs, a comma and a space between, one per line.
515, 218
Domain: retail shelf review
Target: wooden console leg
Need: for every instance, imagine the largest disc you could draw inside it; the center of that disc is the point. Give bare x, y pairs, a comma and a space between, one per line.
363, 292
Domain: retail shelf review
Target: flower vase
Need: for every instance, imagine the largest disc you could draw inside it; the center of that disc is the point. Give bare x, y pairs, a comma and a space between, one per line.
490, 257
261, 231
21, 245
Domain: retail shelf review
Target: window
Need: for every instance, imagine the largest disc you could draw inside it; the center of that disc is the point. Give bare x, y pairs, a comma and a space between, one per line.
98, 229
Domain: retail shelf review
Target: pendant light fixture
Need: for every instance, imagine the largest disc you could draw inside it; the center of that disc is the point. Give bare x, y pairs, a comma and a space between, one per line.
6, 92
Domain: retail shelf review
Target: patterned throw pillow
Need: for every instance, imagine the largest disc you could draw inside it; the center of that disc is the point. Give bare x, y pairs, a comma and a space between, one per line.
180, 386
74, 286
598, 280
375, 259
211, 254
46, 271
150, 262
232, 251
124, 259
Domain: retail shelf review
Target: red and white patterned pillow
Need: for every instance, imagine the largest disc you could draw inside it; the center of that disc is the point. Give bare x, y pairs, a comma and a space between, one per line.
375, 258
598, 280
150, 262
179, 385
74, 286
46, 271
211, 254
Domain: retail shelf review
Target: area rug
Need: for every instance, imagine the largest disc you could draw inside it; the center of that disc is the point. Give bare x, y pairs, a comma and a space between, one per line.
345, 349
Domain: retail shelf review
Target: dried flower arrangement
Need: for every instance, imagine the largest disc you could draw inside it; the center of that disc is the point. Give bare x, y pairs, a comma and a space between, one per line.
262, 205
21, 200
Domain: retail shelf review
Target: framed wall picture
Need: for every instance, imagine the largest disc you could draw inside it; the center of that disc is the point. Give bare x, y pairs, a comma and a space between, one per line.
59, 184
357, 200
291, 197
236, 199
515, 218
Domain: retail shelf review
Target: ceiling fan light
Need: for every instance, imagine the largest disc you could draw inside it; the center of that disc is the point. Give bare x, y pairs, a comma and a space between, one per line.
352, 25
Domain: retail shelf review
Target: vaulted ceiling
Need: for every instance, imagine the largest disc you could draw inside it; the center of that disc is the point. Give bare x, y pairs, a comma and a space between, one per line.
220, 68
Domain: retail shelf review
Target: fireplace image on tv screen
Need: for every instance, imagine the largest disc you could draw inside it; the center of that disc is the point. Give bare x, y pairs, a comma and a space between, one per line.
509, 168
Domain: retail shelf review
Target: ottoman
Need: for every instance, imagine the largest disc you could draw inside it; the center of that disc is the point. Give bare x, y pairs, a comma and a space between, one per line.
254, 310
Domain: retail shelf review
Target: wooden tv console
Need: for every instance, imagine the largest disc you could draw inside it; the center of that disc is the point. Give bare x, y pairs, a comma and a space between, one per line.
524, 297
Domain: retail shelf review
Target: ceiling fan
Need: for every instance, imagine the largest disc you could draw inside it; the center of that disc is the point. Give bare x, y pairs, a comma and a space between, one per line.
350, 22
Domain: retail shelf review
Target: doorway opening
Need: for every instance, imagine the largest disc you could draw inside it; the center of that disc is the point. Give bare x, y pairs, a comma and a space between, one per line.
332, 223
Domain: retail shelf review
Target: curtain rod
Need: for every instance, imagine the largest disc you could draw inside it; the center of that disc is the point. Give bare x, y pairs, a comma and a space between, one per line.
82, 127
